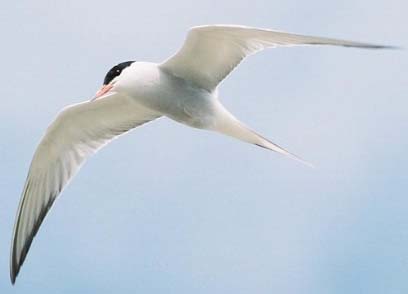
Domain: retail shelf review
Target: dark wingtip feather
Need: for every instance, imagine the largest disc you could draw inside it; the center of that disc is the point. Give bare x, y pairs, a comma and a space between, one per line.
13, 275
16, 266
370, 46
14, 269
350, 44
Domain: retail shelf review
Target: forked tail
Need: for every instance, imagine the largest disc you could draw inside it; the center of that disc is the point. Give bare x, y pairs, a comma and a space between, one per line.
228, 125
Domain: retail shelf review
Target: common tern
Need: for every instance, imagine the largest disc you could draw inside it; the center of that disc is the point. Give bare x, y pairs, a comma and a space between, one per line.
182, 88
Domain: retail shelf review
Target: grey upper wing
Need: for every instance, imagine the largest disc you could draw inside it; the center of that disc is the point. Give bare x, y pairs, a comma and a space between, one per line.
210, 53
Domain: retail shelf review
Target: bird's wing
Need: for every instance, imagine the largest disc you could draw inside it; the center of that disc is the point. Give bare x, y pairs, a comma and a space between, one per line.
210, 53
77, 132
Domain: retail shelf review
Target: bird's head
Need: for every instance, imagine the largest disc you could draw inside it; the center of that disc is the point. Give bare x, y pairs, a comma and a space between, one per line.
111, 77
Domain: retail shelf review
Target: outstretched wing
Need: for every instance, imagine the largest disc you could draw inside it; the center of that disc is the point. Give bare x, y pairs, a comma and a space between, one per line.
78, 132
210, 53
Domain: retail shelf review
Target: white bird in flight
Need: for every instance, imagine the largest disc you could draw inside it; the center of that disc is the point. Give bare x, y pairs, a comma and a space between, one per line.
183, 88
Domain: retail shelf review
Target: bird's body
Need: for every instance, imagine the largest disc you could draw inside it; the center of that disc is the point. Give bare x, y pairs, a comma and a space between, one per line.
152, 87
182, 88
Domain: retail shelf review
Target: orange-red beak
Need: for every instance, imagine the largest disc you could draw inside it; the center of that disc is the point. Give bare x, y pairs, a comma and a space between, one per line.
102, 91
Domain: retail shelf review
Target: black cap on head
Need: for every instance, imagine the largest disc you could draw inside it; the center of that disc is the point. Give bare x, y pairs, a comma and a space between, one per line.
115, 71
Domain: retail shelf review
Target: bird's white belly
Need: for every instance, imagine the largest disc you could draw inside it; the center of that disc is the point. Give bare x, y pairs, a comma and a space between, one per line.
170, 96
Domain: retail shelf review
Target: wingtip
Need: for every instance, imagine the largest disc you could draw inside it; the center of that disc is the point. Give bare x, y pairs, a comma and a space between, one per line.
387, 47
13, 275
374, 46
14, 265
14, 270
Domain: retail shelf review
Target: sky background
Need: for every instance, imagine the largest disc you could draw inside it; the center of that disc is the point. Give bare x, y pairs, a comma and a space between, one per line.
170, 209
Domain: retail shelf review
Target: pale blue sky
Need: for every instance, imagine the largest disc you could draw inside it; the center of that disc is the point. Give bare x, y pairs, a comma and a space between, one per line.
168, 209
